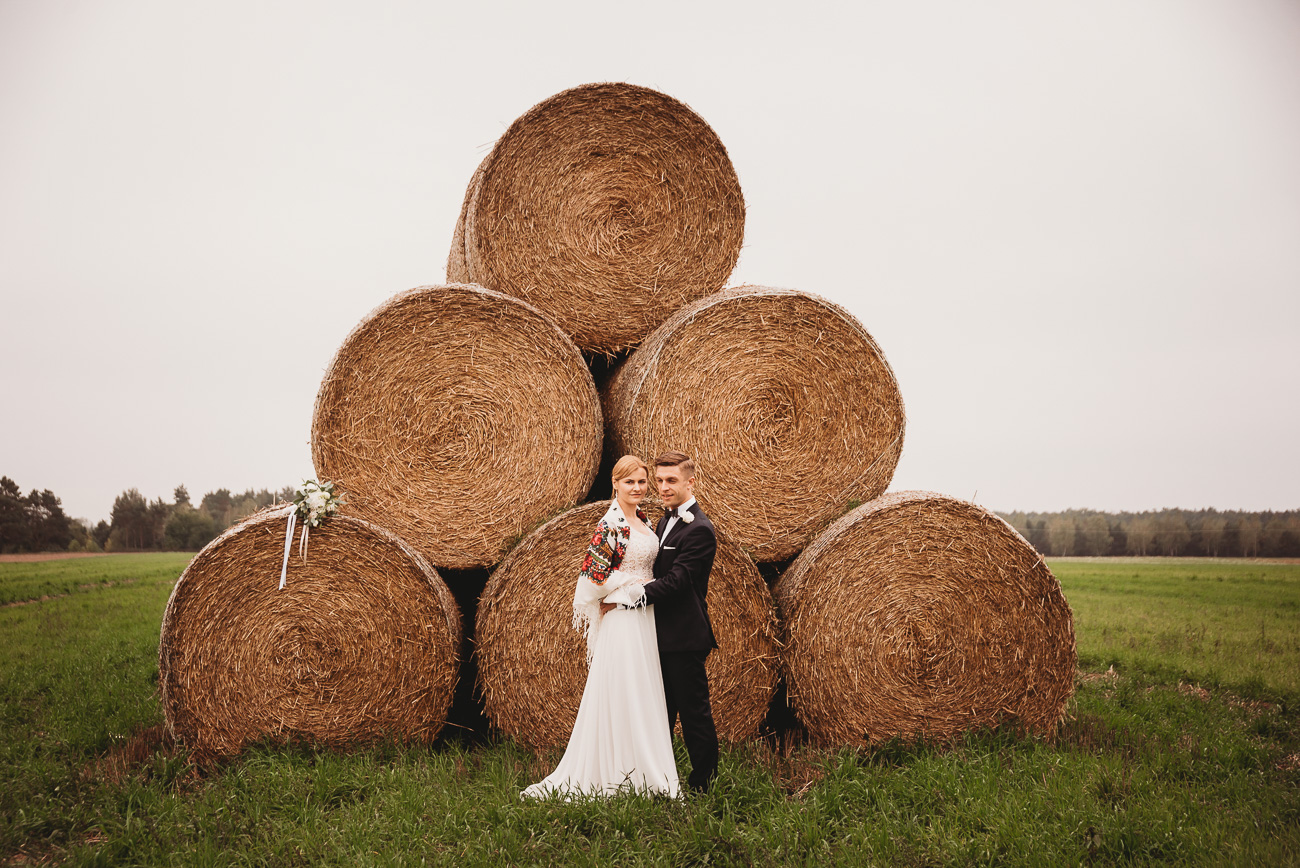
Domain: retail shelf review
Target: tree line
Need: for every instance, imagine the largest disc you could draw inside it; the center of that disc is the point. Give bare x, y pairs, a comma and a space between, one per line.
34, 523
37, 523
1168, 532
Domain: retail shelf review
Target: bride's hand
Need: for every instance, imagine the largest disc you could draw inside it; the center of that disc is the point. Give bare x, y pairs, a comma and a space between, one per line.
605, 607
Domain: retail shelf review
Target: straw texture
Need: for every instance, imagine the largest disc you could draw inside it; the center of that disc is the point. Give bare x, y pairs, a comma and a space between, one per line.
607, 206
457, 417
532, 663
457, 270
922, 615
361, 644
787, 405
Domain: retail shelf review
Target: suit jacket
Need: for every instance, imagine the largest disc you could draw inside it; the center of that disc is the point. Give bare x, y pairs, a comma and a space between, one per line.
681, 582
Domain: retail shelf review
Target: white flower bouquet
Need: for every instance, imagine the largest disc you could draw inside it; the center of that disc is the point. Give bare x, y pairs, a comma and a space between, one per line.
315, 502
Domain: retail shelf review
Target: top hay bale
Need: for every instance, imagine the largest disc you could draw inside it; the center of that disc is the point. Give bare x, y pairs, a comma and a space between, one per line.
923, 616
532, 664
784, 400
607, 206
458, 418
361, 644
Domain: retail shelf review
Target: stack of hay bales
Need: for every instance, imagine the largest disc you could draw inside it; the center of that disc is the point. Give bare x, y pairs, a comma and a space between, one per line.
789, 408
436, 418
610, 207
461, 418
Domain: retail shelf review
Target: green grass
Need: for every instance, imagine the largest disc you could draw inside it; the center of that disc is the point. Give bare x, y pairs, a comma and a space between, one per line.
1216, 622
1147, 769
31, 581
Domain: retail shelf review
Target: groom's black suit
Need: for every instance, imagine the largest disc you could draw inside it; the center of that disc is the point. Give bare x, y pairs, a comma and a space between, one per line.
685, 635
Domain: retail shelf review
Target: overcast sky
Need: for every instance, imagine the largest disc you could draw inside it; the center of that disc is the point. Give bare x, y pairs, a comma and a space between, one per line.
1073, 227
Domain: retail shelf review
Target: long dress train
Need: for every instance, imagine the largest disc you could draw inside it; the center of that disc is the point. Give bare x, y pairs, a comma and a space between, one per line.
620, 739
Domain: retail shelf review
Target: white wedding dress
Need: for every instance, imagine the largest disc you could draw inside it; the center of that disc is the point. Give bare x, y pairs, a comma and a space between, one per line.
620, 739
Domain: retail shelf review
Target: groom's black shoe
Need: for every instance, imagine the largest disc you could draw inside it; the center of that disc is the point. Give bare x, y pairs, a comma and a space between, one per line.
700, 787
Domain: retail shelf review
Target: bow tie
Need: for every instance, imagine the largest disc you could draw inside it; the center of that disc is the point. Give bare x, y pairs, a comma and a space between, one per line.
671, 512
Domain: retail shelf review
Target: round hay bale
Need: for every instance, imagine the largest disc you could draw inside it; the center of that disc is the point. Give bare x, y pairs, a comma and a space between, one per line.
532, 664
607, 206
923, 616
785, 402
361, 644
457, 417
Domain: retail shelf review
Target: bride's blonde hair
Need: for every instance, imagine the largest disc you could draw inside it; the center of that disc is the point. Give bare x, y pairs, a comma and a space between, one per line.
624, 466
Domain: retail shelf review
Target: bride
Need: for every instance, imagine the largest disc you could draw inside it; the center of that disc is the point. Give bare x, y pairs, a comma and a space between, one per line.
620, 739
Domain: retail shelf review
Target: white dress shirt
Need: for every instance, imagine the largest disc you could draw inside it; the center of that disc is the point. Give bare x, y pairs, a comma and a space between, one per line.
672, 520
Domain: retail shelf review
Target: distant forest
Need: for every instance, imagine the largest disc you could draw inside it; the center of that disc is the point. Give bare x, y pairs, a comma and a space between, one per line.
36, 523
1170, 532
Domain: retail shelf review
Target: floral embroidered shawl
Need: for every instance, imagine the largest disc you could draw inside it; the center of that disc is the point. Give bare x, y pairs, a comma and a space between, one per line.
600, 574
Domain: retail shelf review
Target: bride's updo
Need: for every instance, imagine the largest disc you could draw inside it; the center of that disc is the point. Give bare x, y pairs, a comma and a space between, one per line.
624, 466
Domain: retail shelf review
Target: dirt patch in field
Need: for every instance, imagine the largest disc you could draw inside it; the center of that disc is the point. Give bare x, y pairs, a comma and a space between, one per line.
40, 599
136, 755
49, 556
1253, 706
1092, 733
797, 772
90, 587
1110, 675
24, 858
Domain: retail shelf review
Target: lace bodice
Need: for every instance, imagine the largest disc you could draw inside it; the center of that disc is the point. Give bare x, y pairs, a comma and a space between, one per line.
639, 559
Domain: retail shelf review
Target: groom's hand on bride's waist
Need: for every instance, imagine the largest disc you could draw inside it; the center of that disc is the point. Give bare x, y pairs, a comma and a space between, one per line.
637, 595
605, 608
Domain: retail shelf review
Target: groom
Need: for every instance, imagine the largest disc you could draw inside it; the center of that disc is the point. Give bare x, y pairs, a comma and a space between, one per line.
687, 545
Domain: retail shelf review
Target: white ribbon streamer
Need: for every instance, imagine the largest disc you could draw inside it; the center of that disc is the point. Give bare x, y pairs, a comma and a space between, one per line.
288, 544
317, 512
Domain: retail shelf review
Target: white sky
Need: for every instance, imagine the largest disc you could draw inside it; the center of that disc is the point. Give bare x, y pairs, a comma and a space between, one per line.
1073, 227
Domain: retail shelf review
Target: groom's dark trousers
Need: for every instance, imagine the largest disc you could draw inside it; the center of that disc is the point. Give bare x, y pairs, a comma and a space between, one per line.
685, 636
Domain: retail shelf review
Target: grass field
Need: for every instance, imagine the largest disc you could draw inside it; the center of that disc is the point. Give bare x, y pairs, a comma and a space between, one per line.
33, 580
1227, 622
1181, 747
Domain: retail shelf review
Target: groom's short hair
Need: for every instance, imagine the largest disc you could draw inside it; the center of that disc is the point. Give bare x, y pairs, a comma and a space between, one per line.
673, 458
